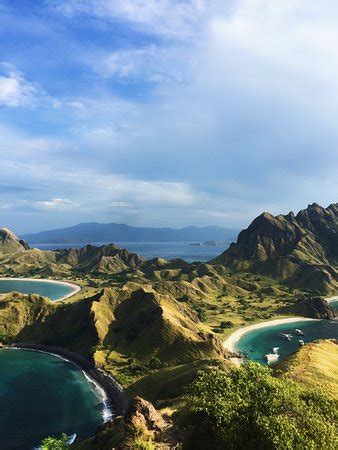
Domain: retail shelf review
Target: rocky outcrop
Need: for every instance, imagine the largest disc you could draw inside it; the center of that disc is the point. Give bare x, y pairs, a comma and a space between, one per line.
10, 243
292, 248
142, 422
142, 415
313, 307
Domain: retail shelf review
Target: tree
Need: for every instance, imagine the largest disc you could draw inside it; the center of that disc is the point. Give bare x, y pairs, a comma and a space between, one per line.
53, 443
248, 408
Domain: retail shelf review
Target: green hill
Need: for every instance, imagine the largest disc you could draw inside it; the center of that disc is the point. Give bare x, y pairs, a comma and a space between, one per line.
315, 365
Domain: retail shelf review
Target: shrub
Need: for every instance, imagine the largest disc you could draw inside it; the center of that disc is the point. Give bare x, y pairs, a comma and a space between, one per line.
248, 408
53, 443
226, 324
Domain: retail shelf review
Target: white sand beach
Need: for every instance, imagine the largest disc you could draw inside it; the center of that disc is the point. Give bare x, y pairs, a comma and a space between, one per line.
230, 343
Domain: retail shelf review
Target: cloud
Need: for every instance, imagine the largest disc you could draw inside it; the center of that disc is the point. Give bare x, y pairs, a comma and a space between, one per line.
56, 203
151, 64
15, 91
194, 113
166, 18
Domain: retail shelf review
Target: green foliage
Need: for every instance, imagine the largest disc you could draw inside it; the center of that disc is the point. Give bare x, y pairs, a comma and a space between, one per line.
248, 408
226, 324
53, 443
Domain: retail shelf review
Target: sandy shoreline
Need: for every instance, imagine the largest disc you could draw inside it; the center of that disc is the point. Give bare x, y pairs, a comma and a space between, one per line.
75, 287
230, 343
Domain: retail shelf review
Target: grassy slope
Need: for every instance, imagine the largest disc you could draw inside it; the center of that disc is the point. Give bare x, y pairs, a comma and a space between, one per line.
315, 365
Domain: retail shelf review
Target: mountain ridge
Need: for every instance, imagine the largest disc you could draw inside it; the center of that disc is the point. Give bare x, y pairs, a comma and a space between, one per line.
91, 232
301, 248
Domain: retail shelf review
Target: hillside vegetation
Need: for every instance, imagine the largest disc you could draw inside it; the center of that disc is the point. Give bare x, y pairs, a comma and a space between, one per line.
315, 366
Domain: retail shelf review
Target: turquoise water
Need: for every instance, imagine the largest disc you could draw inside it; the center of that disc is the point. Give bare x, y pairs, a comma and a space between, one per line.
54, 290
42, 395
257, 343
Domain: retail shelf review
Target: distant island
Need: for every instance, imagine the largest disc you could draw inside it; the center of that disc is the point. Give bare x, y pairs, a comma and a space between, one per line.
115, 232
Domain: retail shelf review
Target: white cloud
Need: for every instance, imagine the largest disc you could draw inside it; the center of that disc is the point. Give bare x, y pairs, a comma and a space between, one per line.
15, 91
148, 64
168, 18
56, 203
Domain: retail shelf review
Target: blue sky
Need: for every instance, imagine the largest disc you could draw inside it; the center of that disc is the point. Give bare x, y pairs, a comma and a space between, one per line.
165, 112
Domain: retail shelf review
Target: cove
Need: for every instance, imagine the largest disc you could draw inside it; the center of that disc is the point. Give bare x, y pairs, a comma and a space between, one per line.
257, 343
42, 395
54, 290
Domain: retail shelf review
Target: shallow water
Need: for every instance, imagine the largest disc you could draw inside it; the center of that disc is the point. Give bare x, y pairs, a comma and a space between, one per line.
257, 343
54, 290
42, 395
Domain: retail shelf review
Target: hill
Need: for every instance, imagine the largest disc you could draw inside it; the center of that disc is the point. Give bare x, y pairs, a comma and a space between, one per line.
112, 326
9, 243
114, 232
301, 249
315, 366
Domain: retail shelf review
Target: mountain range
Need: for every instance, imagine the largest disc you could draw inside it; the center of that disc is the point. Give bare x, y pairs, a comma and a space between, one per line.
115, 232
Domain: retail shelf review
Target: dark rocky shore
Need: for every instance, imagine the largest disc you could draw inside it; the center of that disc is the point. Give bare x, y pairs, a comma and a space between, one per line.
116, 397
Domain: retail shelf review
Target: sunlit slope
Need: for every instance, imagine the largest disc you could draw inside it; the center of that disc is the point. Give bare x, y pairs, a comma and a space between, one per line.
315, 365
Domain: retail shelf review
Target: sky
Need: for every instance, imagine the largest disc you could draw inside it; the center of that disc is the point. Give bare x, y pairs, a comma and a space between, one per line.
166, 112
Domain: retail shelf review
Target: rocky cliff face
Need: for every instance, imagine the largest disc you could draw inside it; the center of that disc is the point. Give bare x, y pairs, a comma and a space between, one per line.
9, 243
290, 247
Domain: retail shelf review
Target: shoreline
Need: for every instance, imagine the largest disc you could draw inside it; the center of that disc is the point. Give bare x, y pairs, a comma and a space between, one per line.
75, 287
114, 400
230, 342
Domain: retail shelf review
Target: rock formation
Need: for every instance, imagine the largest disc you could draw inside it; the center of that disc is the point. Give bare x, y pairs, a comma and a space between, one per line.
301, 249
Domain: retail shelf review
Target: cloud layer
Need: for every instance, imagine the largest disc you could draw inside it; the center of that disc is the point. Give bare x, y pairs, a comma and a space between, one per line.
167, 112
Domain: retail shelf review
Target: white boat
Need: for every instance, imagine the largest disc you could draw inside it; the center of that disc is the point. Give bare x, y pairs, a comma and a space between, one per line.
301, 342
287, 336
299, 332
272, 357
275, 350
71, 439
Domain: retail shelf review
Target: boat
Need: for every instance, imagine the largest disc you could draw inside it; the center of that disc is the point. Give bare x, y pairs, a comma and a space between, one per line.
287, 336
272, 357
71, 439
275, 350
301, 342
299, 332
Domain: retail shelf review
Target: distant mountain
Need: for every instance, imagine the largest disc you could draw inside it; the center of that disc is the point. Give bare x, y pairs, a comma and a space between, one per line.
114, 232
300, 249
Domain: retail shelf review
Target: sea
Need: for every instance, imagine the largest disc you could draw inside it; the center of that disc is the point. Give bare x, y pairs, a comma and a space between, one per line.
43, 395
188, 251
